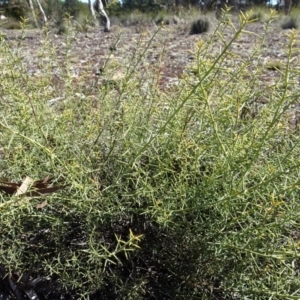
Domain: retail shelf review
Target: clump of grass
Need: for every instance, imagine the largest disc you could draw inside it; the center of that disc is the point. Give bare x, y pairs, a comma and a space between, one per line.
196, 187
11, 24
290, 23
135, 18
200, 26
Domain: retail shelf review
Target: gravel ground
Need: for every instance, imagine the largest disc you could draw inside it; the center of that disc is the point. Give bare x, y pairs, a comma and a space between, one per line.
171, 50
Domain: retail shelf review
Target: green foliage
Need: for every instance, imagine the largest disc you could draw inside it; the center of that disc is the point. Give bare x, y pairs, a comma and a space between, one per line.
115, 9
54, 9
187, 193
74, 7
16, 9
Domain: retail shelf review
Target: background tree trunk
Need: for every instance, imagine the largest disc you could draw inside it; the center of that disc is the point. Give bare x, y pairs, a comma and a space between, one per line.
92, 11
287, 6
33, 13
236, 5
42, 11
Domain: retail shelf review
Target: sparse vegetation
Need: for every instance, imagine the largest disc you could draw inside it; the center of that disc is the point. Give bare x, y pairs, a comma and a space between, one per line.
188, 192
10, 24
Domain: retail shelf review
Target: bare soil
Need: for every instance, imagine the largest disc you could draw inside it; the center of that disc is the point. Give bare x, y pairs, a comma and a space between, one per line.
170, 52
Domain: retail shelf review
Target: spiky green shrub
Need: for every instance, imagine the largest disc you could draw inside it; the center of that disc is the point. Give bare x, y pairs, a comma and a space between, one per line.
188, 193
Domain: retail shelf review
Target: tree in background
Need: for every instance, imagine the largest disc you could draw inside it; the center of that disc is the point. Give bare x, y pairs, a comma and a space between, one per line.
287, 6
18, 9
54, 9
142, 5
30, 3
72, 7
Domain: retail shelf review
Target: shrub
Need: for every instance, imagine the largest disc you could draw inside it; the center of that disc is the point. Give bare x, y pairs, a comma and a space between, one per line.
290, 23
115, 9
199, 26
17, 11
186, 193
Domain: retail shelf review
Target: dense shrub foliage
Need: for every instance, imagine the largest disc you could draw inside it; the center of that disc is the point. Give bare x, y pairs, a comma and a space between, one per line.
191, 192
